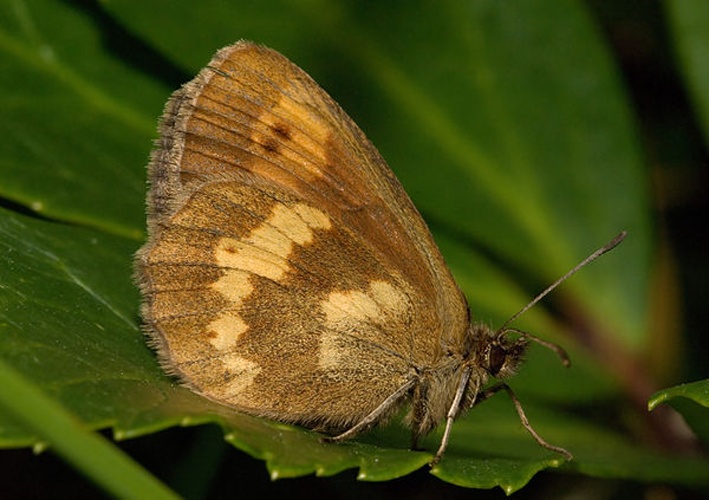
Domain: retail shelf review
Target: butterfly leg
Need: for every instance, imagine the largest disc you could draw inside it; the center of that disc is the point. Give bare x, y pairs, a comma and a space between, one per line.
522, 417
418, 415
452, 413
371, 419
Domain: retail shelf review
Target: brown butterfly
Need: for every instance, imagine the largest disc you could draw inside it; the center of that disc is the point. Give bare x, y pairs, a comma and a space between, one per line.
288, 275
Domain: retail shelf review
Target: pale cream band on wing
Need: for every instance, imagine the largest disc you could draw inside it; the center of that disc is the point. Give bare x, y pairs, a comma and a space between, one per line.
264, 252
355, 313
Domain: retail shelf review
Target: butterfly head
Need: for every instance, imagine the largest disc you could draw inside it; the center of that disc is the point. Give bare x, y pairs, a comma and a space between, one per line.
503, 355
500, 353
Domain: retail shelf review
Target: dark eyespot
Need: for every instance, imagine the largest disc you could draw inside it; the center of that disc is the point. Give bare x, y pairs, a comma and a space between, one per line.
282, 130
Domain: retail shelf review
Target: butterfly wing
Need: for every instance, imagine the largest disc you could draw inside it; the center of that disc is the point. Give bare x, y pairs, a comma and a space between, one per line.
287, 272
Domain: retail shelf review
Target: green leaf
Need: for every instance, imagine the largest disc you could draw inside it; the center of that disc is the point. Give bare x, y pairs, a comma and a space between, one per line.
76, 121
506, 123
680, 397
695, 391
88, 452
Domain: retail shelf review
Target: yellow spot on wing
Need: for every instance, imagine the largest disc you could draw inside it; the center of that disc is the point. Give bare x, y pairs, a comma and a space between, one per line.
356, 314
243, 372
353, 305
389, 296
312, 216
257, 260
234, 285
228, 328
382, 298
266, 249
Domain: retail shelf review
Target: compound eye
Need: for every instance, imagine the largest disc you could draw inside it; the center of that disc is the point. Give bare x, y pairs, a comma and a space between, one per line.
497, 359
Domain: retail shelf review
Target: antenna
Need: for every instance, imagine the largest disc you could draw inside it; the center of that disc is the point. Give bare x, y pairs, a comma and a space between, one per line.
604, 249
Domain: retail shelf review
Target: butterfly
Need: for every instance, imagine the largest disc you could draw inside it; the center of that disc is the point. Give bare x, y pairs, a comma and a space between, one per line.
288, 275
